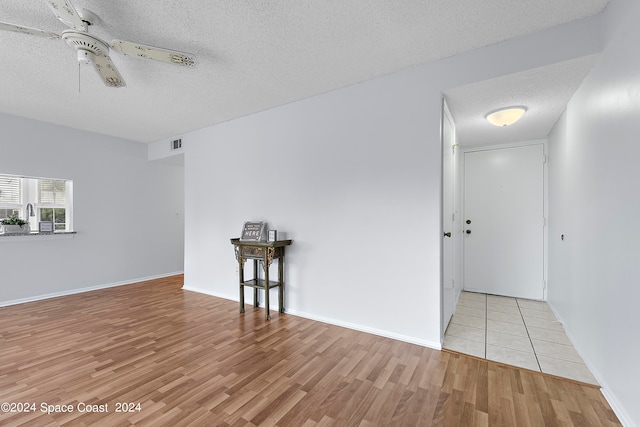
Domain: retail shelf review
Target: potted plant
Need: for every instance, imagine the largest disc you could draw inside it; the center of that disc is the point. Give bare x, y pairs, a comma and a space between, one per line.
14, 224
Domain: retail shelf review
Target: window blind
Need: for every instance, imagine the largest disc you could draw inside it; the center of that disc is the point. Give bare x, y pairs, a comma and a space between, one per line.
51, 192
10, 190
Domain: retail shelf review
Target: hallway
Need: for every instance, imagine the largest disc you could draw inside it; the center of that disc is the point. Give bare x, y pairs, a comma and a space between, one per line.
514, 331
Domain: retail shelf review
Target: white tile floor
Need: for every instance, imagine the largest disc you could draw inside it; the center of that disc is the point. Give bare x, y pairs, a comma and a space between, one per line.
514, 331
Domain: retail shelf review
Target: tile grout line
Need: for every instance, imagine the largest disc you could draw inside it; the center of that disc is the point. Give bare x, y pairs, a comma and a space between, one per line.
486, 339
528, 335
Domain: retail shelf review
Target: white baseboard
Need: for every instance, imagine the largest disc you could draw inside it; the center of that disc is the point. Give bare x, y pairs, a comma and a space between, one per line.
213, 294
87, 289
622, 415
348, 325
369, 330
604, 389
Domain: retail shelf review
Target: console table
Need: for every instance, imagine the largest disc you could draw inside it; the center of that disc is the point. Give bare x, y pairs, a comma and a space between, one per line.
265, 253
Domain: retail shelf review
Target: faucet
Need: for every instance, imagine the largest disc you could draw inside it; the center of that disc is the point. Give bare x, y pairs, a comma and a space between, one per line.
30, 211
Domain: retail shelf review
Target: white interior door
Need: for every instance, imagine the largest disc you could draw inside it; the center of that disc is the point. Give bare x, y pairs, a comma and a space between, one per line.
448, 294
504, 221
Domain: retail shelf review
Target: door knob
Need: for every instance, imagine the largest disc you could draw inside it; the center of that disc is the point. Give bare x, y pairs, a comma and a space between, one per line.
468, 231
447, 234
468, 221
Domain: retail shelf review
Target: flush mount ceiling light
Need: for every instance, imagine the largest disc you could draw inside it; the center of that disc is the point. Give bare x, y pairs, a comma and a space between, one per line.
505, 116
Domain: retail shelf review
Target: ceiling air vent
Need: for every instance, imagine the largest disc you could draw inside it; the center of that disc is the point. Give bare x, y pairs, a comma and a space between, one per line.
176, 144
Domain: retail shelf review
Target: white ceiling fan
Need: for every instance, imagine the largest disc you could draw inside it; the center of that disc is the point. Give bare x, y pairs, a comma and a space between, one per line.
93, 50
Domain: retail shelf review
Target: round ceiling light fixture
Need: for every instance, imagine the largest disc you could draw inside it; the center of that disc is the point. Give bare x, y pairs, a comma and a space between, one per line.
506, 116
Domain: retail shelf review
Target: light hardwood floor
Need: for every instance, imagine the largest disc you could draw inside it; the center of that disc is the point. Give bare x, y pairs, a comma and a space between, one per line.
192, 359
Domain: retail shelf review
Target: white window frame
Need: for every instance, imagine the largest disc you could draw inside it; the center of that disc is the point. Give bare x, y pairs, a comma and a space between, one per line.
29, 194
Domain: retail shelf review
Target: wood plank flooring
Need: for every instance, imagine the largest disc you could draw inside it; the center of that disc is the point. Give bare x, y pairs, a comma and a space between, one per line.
180, 358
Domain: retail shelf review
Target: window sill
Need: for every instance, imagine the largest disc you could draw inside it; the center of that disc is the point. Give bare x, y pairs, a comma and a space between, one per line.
36, 236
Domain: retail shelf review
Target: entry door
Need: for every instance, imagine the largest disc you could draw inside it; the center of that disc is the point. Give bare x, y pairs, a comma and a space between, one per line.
504, 221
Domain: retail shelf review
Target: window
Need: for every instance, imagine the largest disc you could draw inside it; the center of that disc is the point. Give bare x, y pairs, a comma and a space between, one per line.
51, 200
10, 193
6, 213
55, 215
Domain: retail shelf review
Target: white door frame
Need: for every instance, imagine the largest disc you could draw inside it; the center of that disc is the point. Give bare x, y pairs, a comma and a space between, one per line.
544, 142
448, 295
446, 225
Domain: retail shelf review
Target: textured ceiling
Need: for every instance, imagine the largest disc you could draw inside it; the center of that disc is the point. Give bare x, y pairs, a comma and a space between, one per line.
543, 91
252, 55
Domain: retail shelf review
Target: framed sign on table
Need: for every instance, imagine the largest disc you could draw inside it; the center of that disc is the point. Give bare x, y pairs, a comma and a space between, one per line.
254, 231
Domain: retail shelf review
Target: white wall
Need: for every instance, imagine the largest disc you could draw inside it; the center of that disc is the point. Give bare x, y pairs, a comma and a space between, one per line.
345, 175
128, 232
353, 177
594, 202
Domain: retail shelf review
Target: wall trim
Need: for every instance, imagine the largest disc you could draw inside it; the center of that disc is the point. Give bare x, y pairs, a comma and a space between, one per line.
335, 322
367, 329
215, 294
87, 289
617, 408
604, 389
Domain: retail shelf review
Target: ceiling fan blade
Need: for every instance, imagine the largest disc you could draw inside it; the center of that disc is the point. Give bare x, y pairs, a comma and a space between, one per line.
108, 71
155, 53
66, 13
27, 30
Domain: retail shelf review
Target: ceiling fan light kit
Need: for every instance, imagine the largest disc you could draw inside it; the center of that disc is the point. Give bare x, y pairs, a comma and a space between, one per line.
92, 50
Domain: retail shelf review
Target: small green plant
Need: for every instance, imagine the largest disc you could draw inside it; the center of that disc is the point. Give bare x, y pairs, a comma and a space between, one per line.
14, 220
